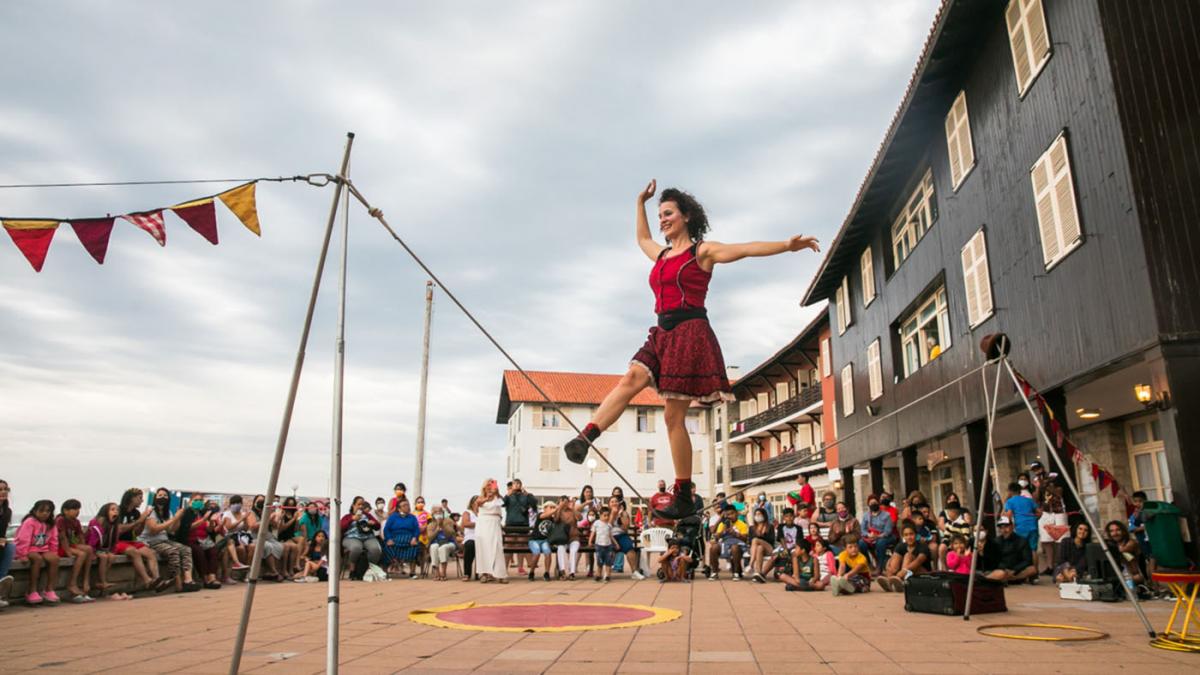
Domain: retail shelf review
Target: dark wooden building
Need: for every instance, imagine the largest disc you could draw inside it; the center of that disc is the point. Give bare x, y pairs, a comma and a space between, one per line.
1040, 179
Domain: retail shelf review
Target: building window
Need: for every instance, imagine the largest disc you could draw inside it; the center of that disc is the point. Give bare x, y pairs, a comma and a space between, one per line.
915, 219
1054, 194
958, 141
826, 359
601, 465
550, 457
546, 418
976, 279
868, 277
842, 302
925, 333
1029, 39
694, 422
697, 462
943, 484
646, 460
1148, 459
874, 370
645, 420
848, 390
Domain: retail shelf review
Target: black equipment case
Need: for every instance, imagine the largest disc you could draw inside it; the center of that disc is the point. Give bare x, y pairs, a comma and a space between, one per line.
946, 593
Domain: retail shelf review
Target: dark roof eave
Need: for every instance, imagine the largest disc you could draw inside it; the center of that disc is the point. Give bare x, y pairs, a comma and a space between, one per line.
804, 335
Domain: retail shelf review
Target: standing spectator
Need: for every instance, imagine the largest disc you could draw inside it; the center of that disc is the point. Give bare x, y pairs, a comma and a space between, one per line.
729, 541
132, 520
467, 526
8, 549
589, 512
762, 544
401, 540
292, 537
1025, 486
878, 530
844, 529
912, 556
1008, 557
1137, 528
1023, 511
518, 504
398, 495
310, 522
601, 539
915, 502
156, 534
102, 537
564, 537
739, 504
659, 501
1052, 523
853, 571
71, 544
803, 494
358, 537
37, 542
489, 539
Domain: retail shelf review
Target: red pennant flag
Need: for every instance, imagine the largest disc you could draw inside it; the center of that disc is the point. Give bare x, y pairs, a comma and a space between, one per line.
1116, 487
1095, 470
201, 215
93, 233
152, 222
1056, 432
33, 238
1105, 479
1076, 455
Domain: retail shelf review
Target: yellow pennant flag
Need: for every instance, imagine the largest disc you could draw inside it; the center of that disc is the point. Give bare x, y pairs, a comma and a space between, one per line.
240, 201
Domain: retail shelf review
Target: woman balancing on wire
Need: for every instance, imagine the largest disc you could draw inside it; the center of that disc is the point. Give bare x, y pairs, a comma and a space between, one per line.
681, 357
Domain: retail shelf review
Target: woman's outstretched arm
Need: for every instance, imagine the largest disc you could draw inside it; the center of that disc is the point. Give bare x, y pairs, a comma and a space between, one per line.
644, 239
714, 252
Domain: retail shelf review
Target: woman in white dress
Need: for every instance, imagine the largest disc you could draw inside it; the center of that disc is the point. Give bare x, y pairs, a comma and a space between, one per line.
489, 538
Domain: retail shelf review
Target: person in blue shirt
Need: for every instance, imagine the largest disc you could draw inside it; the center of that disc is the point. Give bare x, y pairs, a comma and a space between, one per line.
878, 533
1024, 513
401, 540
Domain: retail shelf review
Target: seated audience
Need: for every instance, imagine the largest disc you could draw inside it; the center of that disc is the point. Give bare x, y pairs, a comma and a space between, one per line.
878, 531
911, 556
37, 541
843, 529
729, 541
1072, 555
202, 540
443, 542
853, 571
316, 564
8, 549
1131, 553
958, 558
1008, 557
132, 521
157, 535
71, 544
401, 540
102, 537
673, 565
359, 527
564, 537
803, 571
953, 522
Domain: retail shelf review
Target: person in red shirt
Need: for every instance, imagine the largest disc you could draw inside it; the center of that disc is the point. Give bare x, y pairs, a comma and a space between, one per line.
659, 501
803, 494
885, 504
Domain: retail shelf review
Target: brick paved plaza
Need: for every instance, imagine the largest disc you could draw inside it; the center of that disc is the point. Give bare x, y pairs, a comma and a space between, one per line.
726, 627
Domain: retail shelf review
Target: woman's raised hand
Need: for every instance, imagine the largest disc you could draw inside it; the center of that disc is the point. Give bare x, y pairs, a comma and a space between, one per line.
648, 194
801, 242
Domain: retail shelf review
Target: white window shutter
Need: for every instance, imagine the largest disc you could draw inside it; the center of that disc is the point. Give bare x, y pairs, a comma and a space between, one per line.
1064, 194
875, 370
641, 460
976, 279
826, 359
1058, 213
868, 277
847, 390
970, 282
846, 300
697, 461
958, 140
952, 149
839, 301
650, 414
1035, 27
1043, 196
537, 417
1019, 41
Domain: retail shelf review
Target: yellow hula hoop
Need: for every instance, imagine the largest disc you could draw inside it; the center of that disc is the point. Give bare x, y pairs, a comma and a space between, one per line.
1094, 634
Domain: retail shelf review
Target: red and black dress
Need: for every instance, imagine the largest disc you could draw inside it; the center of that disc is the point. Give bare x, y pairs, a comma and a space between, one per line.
681, 353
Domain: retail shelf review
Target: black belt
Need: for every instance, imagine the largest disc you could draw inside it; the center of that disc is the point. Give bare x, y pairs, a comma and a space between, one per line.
668, 320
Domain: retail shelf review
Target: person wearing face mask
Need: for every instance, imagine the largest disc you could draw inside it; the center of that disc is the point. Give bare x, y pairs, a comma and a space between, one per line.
442, 536
202, 540
887, 506
1026, 485
827, 511
398, 495
879, 532
400, 540
1023, 512
661, 500
159, 526
766, 507
843, 529
380, 513
762, 544
359, 527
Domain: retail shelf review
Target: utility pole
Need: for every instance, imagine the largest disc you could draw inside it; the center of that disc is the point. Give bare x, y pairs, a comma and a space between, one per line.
419, 466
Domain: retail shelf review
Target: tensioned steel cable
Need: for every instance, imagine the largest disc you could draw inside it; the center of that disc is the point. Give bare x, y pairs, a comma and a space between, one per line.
278, 179
377, 214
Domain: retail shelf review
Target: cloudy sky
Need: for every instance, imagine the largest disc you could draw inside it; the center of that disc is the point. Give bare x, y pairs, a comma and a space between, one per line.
505, 141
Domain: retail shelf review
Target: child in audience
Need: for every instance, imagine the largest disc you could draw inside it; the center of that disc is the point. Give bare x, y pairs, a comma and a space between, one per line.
911, 556
102, 537
673, 565
37, 542
853, 572
237, 522
539, 540
955, 522
825, 565
316, 567
601, 539
804, 569
71, 544
958, 559
130, 521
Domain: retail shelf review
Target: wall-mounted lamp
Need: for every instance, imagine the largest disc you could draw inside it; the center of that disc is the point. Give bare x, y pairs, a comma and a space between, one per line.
1145, 395
872, 410
1087, 413
837, 485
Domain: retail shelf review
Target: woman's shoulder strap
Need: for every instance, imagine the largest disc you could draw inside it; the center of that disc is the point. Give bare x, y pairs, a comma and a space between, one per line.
663, 252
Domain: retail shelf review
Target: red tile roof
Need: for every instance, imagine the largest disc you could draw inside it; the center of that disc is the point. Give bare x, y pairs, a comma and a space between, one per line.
589, 388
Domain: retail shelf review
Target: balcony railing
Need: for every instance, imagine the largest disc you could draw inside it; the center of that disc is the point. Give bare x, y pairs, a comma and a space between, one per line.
777, 463
791, 406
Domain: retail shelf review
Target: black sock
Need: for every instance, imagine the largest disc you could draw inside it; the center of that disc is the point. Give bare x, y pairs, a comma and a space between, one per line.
591, 432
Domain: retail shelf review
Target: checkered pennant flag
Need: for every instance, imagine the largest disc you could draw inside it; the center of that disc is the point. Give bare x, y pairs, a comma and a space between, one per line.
151, 222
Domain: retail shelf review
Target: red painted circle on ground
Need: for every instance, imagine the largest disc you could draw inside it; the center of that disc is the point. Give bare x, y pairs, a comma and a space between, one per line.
544, 616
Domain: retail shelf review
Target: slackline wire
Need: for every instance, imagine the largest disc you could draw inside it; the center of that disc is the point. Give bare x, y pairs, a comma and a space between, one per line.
312, 179
377, 214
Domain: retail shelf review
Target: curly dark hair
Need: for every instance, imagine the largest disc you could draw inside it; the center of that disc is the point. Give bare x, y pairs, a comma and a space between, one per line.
693, 212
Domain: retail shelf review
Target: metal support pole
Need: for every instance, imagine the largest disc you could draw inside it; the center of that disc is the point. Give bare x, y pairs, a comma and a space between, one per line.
1066, 476
235, 661
335, 467
989, 468
419, 466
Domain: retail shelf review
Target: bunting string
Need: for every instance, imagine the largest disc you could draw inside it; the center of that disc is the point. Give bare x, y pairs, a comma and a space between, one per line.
1103, 477
32, 236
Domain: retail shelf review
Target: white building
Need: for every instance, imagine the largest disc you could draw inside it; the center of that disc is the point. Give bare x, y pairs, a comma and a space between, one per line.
636, 445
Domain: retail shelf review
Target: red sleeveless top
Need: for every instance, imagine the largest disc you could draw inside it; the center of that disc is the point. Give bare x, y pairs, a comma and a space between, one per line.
678, 282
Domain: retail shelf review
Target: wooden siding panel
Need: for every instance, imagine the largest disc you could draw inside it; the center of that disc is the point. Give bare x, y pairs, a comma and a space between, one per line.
1092, 307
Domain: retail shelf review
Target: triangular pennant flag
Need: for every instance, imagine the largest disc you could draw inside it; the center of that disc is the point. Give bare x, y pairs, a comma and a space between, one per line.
93, 233
240, 201
1105, 479
201, 215
152, 222
1116, 487
1095, 471
33, 238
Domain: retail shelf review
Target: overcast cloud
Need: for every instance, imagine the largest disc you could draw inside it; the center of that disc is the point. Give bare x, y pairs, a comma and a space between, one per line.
506, 143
